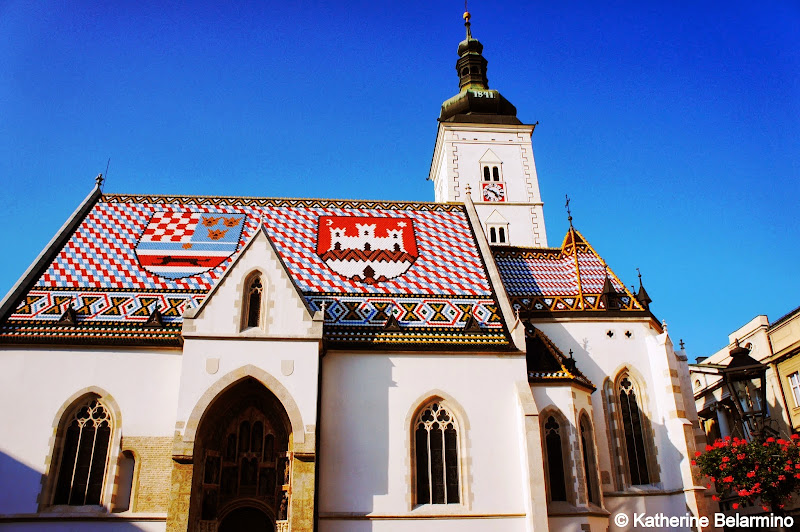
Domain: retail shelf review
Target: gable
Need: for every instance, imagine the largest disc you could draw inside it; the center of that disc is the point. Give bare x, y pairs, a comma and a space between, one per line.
541, 281
282, 309
132, 255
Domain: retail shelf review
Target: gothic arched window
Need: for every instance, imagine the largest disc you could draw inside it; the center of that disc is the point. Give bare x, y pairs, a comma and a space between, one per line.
84, 454
435, 433
554, 452
589, 463
633, 432
254, 290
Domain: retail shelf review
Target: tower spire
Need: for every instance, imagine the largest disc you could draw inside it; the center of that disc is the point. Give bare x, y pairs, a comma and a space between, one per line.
467, 25
475, 102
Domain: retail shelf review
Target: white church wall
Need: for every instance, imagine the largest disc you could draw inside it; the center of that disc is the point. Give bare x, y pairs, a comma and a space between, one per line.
368, 404
292, 364
600, 357
38, 382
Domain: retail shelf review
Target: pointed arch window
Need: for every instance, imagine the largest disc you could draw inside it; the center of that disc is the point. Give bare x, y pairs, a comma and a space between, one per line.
254, 293
436, 445
589, 463
84, 455
554, 451
633, 432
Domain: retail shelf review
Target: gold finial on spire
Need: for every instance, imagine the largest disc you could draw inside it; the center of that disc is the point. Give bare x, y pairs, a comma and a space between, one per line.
467, 16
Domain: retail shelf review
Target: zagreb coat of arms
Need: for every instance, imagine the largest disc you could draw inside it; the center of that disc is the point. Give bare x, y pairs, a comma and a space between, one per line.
367, 249
183, 244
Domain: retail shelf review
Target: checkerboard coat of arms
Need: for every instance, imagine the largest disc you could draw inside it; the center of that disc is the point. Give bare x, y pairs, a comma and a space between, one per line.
182, 244
367, 249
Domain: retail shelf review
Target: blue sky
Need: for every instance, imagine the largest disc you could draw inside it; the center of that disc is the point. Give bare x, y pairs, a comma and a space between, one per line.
674, 128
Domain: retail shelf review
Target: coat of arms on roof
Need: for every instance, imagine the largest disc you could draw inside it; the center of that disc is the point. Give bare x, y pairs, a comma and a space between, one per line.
367, 249
182, 244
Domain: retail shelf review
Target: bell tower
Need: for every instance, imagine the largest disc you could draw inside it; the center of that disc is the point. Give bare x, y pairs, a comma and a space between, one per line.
482, 147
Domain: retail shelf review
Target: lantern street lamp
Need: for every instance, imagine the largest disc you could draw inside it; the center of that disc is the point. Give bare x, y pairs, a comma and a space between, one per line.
745, 378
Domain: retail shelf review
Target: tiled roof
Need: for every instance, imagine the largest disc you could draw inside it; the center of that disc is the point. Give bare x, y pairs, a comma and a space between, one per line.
132, 255
552, 280
547, 363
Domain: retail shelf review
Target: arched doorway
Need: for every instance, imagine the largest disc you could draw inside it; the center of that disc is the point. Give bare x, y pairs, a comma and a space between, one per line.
246, 519
241, 461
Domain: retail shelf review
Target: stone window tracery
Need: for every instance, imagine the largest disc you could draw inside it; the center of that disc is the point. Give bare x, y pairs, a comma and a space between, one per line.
555, 460
436, 456
254, 292
84, 455
589, 463
633, 432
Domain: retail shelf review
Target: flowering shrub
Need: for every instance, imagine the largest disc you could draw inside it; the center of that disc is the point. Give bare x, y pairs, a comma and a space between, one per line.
768, 470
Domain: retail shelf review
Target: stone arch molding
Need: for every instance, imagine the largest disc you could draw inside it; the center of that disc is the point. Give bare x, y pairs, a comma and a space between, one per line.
227, 381
55, 444
464, 450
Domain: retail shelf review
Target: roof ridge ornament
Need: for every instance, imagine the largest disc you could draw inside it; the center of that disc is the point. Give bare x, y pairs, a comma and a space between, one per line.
642, 297
569, 211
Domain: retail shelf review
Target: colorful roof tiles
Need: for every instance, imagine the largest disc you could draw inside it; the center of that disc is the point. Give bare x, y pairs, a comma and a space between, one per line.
570, 278
133, 255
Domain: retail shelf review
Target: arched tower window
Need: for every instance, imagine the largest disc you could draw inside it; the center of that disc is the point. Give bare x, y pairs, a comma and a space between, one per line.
553, 444
435, 436
254, 291
633, 431
486, 174
589, 463
84, 454
495, 173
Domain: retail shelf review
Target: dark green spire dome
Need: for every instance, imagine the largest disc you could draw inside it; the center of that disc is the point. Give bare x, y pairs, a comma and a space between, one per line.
476, 102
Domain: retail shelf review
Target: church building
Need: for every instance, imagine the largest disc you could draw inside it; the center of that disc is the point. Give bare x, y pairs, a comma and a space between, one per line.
216, 364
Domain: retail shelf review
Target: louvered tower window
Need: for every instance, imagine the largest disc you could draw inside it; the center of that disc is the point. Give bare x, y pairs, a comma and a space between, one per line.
436, 453
84, 455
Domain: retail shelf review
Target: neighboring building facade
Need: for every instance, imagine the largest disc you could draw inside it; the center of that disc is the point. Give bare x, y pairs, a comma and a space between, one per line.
776, 345
222, 363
